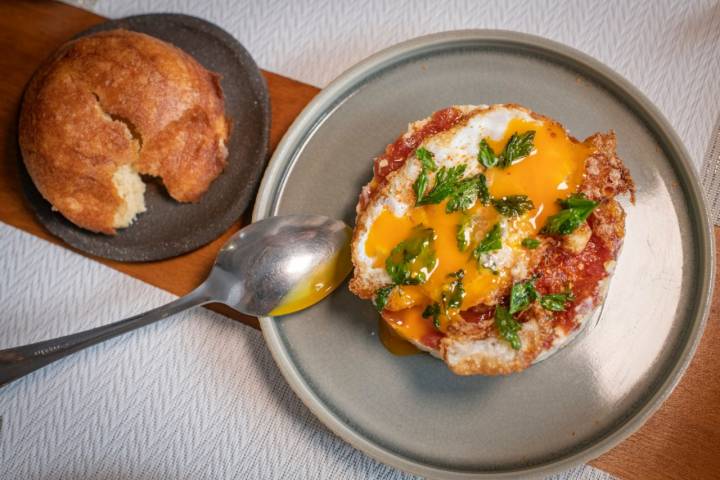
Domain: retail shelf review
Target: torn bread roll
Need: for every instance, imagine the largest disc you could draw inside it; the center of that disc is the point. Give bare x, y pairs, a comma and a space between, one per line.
109, 107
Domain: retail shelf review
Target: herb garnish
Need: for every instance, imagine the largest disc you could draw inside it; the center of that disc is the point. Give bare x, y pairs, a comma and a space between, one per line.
466, 192
451, 299
426, 158
555, 302
454, 292
507, 326
462, 193
446, 182
530, 243
433, 311
464, 229
381, 297
486, 156
412, 261
522, 295
576, 210
427, 164
520, 145
491, 242
513, 205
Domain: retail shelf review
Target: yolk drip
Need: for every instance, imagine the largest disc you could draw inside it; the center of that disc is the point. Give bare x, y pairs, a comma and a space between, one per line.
553, 170
393, 341
318, 285
407, 323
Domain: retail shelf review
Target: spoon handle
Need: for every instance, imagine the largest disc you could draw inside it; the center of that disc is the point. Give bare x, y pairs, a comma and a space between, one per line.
19, 361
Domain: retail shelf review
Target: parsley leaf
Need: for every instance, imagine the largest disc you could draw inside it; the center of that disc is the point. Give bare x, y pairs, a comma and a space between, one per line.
522, 295
381, 297
464, 229
576, 209
420, 185
451, 299
513, 205
486, 156
491, 242
466, 192
530, 243
555, 302
454, 292
433, 311
412, 261
445, 183
427, 164
520, 145
426, 158
507, 326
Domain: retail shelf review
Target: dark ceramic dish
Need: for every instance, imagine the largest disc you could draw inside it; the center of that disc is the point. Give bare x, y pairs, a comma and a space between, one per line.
169, 228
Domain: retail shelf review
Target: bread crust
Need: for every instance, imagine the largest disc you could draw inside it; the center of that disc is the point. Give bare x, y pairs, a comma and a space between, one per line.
120, 98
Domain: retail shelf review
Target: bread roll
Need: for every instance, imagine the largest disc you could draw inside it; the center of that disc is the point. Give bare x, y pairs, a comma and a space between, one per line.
108, 107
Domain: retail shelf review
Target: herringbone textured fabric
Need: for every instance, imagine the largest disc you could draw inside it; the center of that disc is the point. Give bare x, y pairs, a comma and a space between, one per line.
198, 396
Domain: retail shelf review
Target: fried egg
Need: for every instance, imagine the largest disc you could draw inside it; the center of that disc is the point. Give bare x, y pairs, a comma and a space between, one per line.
390, 213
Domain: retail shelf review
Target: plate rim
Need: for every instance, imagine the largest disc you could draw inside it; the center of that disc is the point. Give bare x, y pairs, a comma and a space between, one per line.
277, 171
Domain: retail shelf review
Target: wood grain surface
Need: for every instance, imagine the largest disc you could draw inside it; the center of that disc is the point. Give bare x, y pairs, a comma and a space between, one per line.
680, 441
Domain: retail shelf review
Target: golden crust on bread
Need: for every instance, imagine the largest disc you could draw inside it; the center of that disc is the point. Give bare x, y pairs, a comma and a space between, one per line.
605, 174
120, 98
471, 344
492, 355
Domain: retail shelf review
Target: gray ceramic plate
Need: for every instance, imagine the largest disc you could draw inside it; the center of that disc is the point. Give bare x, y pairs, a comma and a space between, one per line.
411, 412
169, 228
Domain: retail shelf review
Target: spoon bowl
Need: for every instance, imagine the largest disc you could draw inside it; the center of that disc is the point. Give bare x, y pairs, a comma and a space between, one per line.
280, 265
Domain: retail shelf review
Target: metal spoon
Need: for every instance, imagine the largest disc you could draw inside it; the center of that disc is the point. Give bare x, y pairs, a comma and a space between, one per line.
273, 267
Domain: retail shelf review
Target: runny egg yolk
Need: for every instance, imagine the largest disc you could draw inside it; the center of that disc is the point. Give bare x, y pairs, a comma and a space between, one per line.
553, 170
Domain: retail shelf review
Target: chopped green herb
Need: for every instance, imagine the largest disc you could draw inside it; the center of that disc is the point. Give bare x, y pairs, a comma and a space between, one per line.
420, 185
576, 209
412, 261
513, 205
433, 311
486, 156
531, 243
483, 192
466, 193
520, 145
454, 292
446, 182
507, 326
555, 302
522, 295
491, 242
381, 297
464, 230
427, 164
426, 158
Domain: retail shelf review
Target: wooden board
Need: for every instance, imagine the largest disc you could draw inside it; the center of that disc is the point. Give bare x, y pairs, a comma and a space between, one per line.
682, 440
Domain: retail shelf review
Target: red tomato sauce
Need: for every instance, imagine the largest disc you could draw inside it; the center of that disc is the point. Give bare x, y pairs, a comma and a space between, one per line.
396, 153
478, 313
561, 270
432, 339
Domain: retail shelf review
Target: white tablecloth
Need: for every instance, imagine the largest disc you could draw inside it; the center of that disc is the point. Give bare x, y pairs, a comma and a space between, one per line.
198, 395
